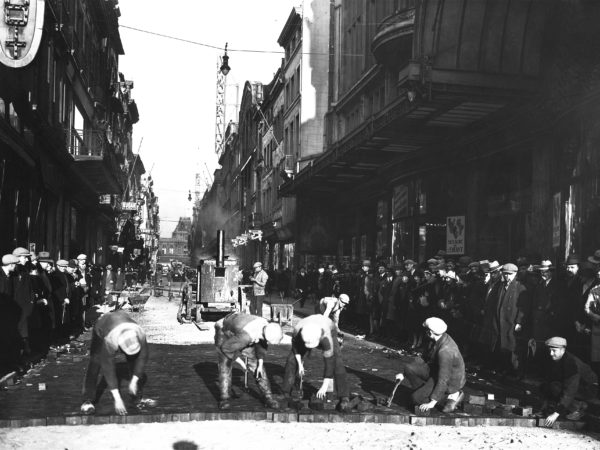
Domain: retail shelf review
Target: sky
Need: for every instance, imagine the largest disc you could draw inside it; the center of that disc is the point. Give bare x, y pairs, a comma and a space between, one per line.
175, 82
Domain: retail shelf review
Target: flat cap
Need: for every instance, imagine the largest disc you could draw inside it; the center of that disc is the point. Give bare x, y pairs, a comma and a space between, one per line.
474, 265
20, 251
409, 261
509, 268
432, 261
556, 342
81, 257
436, 325
9, 259
366, 263
62, 263
257, 264
73, 264
595, 258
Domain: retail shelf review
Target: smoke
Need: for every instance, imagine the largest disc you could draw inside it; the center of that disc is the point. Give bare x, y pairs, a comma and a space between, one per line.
211, 217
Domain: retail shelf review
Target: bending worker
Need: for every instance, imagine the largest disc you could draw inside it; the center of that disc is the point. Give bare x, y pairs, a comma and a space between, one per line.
317, 331
114, 332
247, 335
332, 307
440, 375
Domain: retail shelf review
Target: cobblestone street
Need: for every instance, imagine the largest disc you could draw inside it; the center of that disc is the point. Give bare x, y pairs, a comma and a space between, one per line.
182, 379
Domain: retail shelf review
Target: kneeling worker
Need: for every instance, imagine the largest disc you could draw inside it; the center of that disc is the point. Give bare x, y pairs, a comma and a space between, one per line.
244, 334
568, 381
114, 332
441, 373
317, 331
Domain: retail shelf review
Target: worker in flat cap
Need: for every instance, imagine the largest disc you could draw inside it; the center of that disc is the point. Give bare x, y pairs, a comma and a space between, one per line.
259, 280
114, 332
240, 334
568, 382
320, 332
10, 313
440, 374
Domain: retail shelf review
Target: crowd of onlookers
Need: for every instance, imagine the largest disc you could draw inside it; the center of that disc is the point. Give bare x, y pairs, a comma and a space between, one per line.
499, 314
46, 303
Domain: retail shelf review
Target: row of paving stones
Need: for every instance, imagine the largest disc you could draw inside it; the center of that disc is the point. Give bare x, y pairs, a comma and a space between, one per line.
279, 416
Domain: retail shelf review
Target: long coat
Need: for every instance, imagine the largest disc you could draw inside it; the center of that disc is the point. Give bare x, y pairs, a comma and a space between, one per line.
23, 292
548, 313
505, 308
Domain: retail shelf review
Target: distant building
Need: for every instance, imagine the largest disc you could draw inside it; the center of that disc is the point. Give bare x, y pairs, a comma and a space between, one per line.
176, 247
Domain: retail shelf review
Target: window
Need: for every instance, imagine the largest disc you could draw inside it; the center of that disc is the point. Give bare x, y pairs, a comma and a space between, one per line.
13, 118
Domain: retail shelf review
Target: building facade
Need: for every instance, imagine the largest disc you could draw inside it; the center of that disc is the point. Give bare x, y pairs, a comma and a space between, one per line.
176, 248
458, 126
66, 123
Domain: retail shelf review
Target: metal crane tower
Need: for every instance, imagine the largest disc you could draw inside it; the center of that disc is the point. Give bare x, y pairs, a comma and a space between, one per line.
220, 103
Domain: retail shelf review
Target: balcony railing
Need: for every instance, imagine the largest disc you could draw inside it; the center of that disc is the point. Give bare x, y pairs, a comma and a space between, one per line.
406, 14
86, 143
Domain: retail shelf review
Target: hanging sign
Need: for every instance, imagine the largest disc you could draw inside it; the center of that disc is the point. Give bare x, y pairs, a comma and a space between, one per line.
21, 26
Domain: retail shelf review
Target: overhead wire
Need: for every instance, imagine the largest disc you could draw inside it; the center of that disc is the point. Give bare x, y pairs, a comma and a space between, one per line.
230, 50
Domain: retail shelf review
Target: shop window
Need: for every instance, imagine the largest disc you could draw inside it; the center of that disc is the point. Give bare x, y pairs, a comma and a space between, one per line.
400, 202
402, 241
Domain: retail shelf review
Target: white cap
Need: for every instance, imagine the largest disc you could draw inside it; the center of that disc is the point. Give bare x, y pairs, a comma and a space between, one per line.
257, 264
344, 299
273, 333
311, 335
81, 257
436, 325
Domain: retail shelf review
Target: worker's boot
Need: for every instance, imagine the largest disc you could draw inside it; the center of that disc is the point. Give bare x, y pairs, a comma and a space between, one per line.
344, 405
270, 402
224, 404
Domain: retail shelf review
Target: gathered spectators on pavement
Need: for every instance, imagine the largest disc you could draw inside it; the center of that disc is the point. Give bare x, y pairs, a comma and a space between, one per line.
45, 304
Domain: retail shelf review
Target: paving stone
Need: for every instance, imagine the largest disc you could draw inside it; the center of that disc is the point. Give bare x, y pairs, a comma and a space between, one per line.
102, 420
118, 419
567, 425
73, 420
315, 417
4, 423
58, 420
418, 421
476, 410
197, 416
286, 417
477, 399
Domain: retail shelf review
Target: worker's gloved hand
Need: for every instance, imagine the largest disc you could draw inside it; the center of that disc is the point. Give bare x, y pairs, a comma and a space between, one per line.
399, 377
66, 301
551, 419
